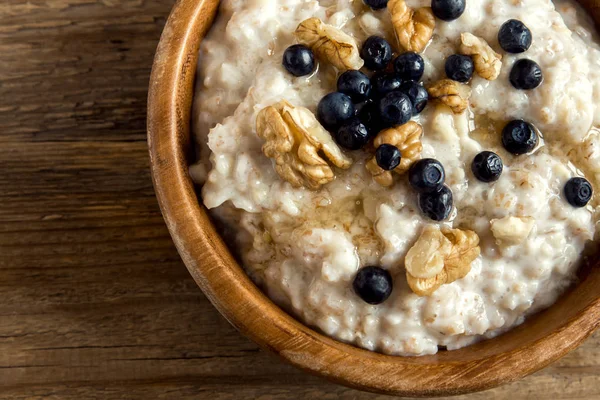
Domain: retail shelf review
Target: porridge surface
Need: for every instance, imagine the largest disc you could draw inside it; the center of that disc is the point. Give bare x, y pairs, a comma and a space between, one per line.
304, 247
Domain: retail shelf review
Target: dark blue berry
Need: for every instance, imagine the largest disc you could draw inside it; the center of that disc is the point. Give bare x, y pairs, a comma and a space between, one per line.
334, 109
578, 191
352, 135
426, 175
417, 94
514, 36
355, 84
376, 4
395, 108
448, 10
526, 74
387, 156
298, 60
519, 137
368, 113
360, 107
409, 66
376, 52
383, 84
436, 205
373, 284
459, 68
487, 166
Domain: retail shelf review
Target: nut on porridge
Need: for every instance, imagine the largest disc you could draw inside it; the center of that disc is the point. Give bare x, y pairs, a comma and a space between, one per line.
402, 175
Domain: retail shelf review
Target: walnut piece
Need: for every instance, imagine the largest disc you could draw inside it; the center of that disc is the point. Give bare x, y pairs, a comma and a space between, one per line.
380, 175
294, 139
414, 28
439, 257
426, 287
407, 138
486, 61
426, 258
510, 231
465, 249
330, 44
451, 93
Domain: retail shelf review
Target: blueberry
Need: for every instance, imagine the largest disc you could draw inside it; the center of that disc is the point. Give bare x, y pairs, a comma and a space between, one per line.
384, 83
298, 60
376, 4
487, 166
417, 94
387, 156
426, 175
409, 66
519, 137
514, 36
578, 192
448, 10
459, 68
526, 74
376, 52
334, 109
352, 135
355, 84
368, 113
436, 205
395, 108
373, 284
360, 107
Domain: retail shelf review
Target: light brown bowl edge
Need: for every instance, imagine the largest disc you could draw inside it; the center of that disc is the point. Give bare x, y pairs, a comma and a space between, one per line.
526, 349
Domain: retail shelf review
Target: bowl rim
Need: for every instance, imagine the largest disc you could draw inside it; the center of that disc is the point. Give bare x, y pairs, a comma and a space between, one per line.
231, 291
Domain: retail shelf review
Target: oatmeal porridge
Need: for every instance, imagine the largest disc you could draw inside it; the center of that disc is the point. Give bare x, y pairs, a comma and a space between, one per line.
401, 175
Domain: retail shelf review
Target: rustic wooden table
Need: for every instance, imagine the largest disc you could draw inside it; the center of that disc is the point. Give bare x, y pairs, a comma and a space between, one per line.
94, 300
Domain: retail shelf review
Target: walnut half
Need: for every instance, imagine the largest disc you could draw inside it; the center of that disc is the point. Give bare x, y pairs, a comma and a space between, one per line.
330, 44
407, 138
294, 138
486, 61
451, 93
414, 28
439, 257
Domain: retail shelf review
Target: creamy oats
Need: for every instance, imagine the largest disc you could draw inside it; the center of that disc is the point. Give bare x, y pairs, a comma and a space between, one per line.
304, 246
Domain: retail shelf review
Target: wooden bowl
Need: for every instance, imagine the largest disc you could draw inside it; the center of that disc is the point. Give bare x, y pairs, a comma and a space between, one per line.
525, 349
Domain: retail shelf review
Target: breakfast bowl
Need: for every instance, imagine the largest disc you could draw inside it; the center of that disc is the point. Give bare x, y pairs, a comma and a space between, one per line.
540, 340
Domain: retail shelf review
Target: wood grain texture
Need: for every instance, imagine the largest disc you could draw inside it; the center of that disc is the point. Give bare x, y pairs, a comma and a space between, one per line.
94, 300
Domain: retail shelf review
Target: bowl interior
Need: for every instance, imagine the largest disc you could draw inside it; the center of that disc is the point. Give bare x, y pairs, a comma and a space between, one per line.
523, 350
